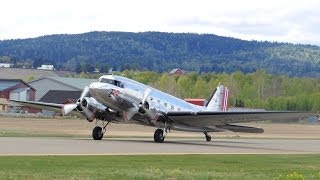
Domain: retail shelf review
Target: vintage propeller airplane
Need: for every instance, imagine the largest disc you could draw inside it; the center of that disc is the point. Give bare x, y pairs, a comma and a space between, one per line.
123, 100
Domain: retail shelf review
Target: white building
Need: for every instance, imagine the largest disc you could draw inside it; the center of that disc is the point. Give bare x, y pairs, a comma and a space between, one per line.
46, 67
6, 65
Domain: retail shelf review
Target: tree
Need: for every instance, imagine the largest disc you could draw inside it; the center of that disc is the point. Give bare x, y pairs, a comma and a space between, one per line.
78, 68
184, 87
200, 89
37, 62
5, 59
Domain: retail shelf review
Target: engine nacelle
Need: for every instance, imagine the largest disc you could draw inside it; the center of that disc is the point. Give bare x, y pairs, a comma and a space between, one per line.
151, 110
87, 106
92, 104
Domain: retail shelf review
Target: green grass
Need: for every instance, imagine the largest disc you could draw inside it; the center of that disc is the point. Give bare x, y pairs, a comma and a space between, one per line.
161, 167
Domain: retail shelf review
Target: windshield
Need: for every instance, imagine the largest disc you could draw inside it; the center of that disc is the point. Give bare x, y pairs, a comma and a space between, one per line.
113, 82
109, 81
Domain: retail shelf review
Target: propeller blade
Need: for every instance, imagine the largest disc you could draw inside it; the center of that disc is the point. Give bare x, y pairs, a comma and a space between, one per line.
85, 92
146, 94
68, 108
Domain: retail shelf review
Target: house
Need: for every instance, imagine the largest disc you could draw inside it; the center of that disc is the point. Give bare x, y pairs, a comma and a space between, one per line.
46, 67
6, 65
177, 72
65, 84
61, 97
15, 89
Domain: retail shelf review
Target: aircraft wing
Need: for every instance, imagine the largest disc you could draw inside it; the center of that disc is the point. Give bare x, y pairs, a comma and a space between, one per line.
210, 118
47, 106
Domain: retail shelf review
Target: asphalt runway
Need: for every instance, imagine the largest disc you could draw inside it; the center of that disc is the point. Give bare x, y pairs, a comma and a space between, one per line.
108, 146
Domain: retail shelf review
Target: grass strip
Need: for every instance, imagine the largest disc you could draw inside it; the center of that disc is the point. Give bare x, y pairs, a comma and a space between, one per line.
161, 167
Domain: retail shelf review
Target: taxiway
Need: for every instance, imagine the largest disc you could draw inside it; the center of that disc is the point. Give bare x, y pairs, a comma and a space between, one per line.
110, 146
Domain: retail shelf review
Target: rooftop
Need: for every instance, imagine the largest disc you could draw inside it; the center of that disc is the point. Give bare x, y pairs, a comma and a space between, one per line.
78, 83
58, 96
6, 83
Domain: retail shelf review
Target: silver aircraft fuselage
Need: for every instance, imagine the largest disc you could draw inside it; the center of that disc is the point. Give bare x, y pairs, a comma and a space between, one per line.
120, 97
122, 94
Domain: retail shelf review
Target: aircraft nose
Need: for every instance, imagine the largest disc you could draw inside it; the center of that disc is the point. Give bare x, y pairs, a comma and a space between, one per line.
96, 88
95, 85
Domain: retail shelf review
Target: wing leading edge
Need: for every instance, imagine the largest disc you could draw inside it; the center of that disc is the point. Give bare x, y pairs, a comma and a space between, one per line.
47, 106
41, 105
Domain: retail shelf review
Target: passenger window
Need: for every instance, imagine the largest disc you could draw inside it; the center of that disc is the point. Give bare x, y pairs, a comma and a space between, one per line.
119, 84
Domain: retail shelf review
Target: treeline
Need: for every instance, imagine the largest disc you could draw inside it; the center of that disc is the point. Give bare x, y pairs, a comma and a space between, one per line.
162, 52
254, 90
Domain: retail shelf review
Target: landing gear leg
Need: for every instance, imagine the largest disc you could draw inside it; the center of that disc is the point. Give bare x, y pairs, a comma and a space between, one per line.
208, 137
98, 131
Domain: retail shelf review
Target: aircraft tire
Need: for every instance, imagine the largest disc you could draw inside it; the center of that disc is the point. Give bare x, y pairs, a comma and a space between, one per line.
158, 136
97, 133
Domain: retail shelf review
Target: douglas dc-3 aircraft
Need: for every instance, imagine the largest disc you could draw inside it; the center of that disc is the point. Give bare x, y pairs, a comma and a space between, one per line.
122, 100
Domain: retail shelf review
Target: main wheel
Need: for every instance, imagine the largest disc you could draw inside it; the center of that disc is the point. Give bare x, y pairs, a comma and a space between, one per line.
158, 136
97, 133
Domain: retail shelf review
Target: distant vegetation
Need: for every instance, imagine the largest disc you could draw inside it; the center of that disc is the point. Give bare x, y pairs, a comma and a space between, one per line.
256, 90
155, 51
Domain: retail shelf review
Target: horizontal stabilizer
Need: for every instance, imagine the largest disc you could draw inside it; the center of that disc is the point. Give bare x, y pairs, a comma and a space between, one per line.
245, 129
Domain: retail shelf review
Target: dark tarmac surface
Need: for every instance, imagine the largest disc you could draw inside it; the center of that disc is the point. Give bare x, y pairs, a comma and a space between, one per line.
110, 146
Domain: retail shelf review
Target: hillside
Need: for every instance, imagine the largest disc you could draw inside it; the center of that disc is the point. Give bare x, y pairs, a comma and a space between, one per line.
163, 51
29, 74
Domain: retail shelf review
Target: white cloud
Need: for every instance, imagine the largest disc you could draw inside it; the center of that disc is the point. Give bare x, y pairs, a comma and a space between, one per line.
274, 20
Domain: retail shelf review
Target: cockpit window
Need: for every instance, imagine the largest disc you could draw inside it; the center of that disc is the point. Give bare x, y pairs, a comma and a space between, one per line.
113, 82
104, 80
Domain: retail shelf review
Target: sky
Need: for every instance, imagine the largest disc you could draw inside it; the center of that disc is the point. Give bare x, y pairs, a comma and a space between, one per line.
295, 21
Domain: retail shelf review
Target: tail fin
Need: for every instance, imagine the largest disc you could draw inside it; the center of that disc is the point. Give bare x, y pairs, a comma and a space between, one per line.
219, 100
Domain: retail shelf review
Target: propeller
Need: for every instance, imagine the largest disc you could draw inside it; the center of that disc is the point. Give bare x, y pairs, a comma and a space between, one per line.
146, 94
142, 107
70, 107
85, 92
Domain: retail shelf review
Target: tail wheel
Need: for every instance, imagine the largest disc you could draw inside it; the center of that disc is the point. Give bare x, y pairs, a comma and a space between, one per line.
158, 136
208, 138
97, 133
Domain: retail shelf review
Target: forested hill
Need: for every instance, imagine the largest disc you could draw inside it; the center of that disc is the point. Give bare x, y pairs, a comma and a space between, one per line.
163, 51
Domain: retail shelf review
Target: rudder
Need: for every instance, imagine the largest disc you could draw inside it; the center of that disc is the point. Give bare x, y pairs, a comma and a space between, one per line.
219, 100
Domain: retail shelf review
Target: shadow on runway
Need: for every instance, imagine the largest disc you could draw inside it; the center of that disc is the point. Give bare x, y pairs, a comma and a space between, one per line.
221, 144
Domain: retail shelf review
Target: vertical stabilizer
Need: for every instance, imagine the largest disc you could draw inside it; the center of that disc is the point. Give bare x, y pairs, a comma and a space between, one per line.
219, 100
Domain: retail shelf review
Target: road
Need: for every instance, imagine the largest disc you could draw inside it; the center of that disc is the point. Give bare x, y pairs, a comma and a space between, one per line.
109, 146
